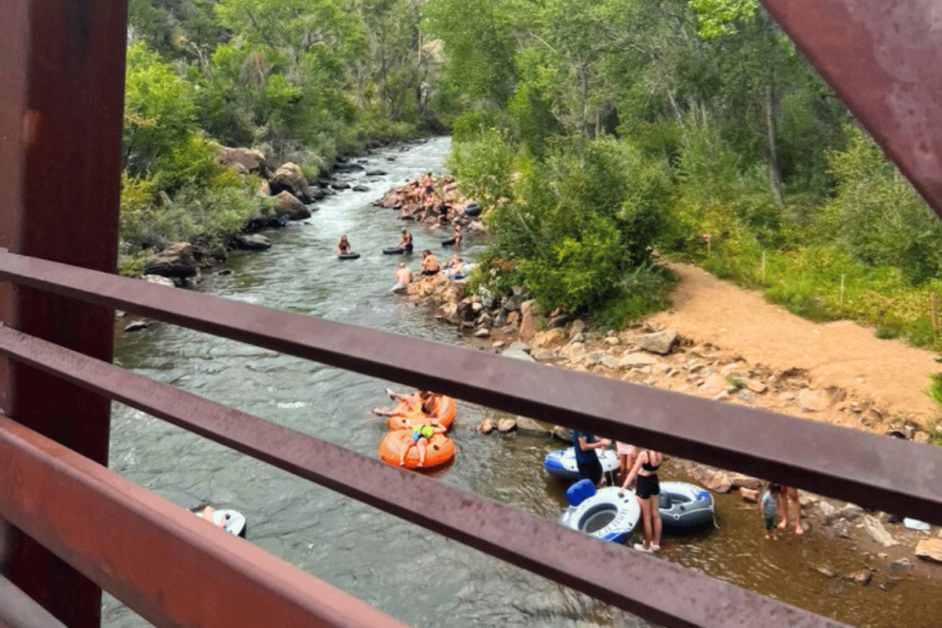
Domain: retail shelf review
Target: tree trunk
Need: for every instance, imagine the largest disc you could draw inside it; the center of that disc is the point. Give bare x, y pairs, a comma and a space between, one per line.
775, 176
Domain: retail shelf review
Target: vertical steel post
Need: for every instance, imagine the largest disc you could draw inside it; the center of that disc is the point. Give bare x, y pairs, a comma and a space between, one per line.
61, 110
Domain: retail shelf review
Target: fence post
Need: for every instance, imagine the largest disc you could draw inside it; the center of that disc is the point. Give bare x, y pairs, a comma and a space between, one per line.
61, 115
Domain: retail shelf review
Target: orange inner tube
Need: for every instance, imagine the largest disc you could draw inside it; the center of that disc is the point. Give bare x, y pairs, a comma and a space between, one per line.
408, 419
440, 450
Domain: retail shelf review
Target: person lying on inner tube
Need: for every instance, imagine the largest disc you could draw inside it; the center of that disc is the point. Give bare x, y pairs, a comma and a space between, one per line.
343, 245
420, 438
422, 400
208, 515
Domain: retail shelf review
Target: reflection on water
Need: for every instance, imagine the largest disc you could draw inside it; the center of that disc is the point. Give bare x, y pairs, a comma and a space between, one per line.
412, 574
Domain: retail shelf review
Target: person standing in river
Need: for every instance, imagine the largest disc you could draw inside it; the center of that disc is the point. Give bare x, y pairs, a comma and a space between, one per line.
786, 498
343, 245
648, 494
457, 235
768, 505
405, 243
587, 460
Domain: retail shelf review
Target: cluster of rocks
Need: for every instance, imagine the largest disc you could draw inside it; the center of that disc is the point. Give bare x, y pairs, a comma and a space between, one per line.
432, 201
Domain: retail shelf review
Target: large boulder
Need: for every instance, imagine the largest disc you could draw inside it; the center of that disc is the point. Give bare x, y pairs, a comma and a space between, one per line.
289, 178
175, 261
248, 159
661, 342
254, 242
287, 205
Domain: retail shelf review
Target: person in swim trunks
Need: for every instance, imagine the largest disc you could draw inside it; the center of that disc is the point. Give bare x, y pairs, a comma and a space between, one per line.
421, 435
647, 492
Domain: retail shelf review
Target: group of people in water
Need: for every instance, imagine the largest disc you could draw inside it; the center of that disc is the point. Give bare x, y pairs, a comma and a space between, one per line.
455, 268
424, 402
640, 468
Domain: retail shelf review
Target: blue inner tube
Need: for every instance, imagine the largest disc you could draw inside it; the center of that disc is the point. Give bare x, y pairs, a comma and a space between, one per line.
394, 251
685, 506
348, 256
605, 515
562, 463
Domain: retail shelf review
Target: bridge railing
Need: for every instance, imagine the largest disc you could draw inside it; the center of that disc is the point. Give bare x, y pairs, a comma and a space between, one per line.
69, 526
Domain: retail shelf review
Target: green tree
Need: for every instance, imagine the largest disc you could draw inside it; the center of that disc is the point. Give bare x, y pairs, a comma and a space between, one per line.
158, 113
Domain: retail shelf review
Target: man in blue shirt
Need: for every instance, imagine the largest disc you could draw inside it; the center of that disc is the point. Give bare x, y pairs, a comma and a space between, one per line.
587, 459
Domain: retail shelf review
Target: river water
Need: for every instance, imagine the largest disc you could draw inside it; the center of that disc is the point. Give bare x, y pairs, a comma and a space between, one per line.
412, 574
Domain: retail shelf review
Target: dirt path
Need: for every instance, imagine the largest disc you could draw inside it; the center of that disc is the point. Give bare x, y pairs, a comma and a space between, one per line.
840, 354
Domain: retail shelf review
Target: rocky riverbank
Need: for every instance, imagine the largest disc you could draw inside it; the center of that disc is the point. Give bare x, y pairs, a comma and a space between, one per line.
653, 355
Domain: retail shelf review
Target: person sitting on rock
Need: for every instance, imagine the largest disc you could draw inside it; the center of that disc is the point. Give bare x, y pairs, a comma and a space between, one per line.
430, 264
343, 245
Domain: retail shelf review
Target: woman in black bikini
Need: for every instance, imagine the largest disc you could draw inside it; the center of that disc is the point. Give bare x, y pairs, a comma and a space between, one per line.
648, 493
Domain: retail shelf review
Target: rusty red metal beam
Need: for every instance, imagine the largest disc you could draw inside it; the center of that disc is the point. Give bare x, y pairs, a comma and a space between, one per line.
174, 569
883, 58
18, 610
669, 595
61, 114
837, 462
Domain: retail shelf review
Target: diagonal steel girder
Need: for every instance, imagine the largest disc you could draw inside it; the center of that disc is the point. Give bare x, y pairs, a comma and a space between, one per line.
884, 60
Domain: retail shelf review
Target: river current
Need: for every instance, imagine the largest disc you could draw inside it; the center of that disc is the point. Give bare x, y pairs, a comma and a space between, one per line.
412, 574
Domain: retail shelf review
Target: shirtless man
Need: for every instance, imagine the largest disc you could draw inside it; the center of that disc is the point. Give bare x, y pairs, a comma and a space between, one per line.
403, 277
406, 242
457, 235
430, 265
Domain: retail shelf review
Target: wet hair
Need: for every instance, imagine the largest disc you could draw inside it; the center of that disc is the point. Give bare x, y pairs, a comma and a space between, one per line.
426, 252
775, 488
404, 230
402, 264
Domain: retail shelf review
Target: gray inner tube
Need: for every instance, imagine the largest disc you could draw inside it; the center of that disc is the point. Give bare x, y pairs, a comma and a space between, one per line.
598, 517
448, 242
394, 251
348, 256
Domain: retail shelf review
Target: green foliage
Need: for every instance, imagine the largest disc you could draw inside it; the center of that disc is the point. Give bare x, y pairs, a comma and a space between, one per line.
935, 388
576, 225
884, 333
479, 42
192, 162
719, 18
479, 125
484, 167
208, 213
877, 214
158, 110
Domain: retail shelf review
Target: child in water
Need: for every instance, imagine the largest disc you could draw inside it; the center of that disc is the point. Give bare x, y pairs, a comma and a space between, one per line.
769, 507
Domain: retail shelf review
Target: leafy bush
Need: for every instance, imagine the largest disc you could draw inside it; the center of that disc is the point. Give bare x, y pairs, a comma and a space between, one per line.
878, 216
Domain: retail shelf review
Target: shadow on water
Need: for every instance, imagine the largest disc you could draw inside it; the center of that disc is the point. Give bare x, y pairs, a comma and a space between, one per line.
410, 573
